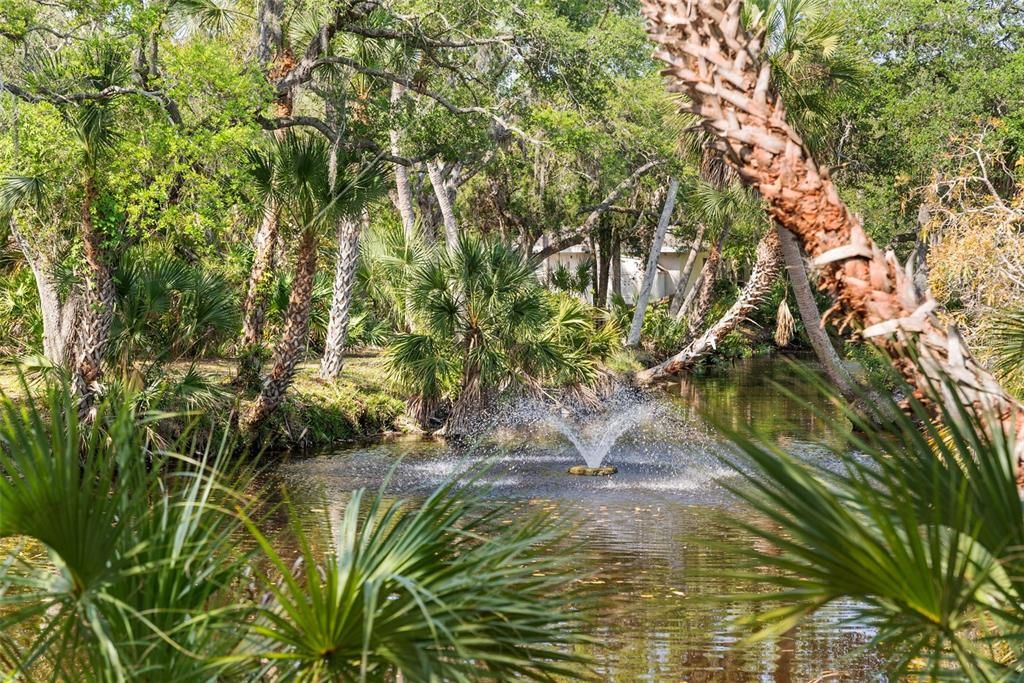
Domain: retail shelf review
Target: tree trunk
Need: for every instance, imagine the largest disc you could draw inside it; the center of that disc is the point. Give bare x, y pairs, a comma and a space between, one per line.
766, 270
257, 296
341, 302
719, 67
617, 264
652, 263
471, 391
97, 314
823, 349
403, 188
604, 263
684, 275
444, 203
293, 339
697, 303
60, 318
710, 266
270, 37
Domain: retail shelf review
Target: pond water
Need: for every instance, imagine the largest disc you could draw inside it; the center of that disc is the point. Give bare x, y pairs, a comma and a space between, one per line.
653, 535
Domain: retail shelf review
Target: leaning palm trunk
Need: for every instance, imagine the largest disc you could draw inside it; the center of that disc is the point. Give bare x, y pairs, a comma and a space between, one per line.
97, 314
257, 296
830, 361
293, 338
766, 269
652, 264
444, 203
684, 276
341, 302
718, 66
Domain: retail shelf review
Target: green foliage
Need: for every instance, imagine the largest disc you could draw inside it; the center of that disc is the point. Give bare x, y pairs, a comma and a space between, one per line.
1009, 348
318, 413
437, 592
168, 309
126, 563
938, 71
484, 324
920, 528
134, 561
21, 322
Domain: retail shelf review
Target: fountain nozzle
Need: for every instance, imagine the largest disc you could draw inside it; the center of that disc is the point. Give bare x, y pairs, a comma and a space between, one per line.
602, 471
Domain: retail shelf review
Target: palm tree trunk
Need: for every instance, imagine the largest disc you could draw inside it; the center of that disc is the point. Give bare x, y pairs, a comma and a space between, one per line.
403, 188
697, 305
705, 281
444, 202
471, 394
719, 67
766, 269
257, 296
97, 313
293, 339
341, 301
830, 361
652, 263
684, 275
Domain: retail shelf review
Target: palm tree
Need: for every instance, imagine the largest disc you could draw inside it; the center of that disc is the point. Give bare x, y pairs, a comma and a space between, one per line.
297, 170
728, 83
93, 125
801, 45
484, 324
344, 278
767, 264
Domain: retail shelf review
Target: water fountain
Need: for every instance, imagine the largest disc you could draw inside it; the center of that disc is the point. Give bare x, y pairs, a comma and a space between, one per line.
596, 438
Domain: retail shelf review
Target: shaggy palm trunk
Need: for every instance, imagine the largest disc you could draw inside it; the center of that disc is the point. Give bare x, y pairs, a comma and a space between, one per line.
652, 264
97, 314
444, 203
341, 301
257, 296
719, 67
293, 339
766, 270
471, 396
684, 276
403, 188
822, 345
60, 318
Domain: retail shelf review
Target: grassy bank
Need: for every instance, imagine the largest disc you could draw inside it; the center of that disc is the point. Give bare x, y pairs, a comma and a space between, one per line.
357, 405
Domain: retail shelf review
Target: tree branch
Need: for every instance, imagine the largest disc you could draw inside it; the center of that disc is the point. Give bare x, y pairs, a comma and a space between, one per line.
578, 235
417, 88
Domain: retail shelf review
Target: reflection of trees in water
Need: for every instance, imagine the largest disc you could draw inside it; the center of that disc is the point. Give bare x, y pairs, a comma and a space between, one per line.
751, 394
660, 620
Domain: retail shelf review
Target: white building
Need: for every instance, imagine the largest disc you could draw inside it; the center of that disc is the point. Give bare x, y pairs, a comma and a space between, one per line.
670, 264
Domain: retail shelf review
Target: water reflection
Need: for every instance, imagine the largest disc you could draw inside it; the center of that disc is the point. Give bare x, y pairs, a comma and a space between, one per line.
654, 537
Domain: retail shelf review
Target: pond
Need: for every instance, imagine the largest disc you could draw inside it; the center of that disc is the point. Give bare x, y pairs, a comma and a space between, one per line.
653, 534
